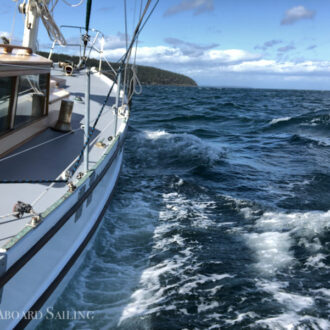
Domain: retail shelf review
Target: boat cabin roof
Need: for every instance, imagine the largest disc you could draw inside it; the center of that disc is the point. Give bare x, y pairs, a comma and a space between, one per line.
17, 60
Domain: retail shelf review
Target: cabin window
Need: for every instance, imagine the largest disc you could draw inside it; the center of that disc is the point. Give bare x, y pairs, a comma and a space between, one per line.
31, 98
6, 85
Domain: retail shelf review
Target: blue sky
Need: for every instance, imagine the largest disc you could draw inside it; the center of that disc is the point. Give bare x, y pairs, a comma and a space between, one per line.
242, 43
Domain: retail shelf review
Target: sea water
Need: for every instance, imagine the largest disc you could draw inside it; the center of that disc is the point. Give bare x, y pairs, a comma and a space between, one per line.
220, 219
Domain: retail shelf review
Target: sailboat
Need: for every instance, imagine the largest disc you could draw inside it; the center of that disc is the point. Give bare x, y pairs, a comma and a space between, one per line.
62, 133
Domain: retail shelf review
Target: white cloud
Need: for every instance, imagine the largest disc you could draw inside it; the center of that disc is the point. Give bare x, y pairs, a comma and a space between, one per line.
115, 41
197, 6
189, 48
161, 55
287, 68
296, 14
234, 67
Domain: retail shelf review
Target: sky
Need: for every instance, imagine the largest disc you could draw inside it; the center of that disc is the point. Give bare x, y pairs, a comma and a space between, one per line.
223, 43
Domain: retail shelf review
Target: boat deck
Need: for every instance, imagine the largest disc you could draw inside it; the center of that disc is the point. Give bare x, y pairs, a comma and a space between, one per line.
50, 153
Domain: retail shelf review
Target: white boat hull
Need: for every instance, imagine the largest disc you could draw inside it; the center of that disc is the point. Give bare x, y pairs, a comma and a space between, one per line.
49, 253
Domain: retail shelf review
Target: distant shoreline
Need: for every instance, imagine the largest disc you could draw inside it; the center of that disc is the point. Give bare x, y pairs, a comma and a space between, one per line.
147, 75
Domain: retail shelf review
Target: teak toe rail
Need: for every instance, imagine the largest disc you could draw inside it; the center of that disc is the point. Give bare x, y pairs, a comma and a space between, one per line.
8, 49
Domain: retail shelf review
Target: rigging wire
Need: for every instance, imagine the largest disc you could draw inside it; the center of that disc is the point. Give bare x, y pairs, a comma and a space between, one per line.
135, 79
126, 56
136, 32
126, 38
54, 3
134, 13
53, 30
125, 13
148, 17
14, 22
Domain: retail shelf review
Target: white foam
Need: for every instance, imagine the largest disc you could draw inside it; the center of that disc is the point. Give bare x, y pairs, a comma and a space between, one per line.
277, 120
184, 311
316, 261
294, 302
195, 281
216, 316
307, 224
248, 212
324, 292
178, 208
154, 135
280, 231
291, 320
214, 290
207, 306
242, 316
291, 301
276, 234
152, 292
272, 250
165, 243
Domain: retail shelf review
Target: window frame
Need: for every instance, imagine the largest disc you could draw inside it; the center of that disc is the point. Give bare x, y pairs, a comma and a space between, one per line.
13, 104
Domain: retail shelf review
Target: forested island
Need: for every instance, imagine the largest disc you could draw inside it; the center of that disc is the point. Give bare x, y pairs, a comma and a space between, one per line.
148, 75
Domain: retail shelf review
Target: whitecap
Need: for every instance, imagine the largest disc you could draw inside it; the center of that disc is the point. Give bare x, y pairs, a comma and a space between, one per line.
187, 147
277, 120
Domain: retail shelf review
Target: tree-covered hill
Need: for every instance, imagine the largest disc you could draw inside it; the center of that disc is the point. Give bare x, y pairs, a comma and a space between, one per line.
148, 75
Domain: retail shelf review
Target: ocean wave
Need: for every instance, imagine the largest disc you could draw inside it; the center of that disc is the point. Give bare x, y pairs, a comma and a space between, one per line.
311, 139
309, 120
178, 149
191, 118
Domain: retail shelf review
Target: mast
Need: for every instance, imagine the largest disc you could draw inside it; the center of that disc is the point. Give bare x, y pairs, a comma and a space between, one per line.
31, 24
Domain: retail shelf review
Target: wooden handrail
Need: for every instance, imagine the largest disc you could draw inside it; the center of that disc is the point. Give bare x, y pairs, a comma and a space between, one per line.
8, 49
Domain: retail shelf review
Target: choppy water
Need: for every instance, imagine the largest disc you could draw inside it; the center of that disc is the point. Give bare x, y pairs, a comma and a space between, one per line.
220, 219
